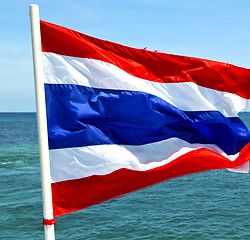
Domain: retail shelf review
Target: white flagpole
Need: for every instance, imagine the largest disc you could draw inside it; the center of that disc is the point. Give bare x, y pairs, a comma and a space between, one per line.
42, 124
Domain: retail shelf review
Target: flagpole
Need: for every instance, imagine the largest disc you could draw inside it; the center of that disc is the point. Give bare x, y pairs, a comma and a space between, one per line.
42, 124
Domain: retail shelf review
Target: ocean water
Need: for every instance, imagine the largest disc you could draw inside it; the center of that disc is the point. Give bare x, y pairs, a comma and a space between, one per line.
208, 205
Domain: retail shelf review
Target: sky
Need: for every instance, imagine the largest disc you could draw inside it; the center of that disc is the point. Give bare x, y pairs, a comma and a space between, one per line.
215, 29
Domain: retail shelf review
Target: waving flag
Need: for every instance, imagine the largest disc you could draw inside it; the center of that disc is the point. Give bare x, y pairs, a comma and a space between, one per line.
120, 119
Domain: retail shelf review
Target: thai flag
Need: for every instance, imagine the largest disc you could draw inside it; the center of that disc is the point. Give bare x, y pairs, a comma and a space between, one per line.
120, 119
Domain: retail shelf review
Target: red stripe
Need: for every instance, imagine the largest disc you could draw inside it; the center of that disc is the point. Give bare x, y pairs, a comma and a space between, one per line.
153, 66
73, 195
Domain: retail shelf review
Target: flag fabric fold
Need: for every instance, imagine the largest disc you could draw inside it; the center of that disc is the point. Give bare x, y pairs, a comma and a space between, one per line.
121, 119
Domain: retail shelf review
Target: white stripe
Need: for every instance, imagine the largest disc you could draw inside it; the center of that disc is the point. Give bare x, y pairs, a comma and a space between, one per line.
244, 168
80, 162
186, 96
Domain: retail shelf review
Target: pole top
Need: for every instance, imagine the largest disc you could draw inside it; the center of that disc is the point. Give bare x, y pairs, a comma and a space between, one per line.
34, 12
33, 5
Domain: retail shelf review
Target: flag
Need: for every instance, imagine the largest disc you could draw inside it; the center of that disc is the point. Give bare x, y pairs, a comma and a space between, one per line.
120, 119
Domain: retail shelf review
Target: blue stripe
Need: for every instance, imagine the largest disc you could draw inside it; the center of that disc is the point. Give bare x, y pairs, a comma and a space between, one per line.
82, 116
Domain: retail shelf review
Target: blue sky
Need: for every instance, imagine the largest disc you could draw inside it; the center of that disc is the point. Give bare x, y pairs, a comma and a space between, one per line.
215, 29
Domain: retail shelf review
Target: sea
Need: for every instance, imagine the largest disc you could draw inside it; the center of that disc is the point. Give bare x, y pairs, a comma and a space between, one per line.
208, 205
